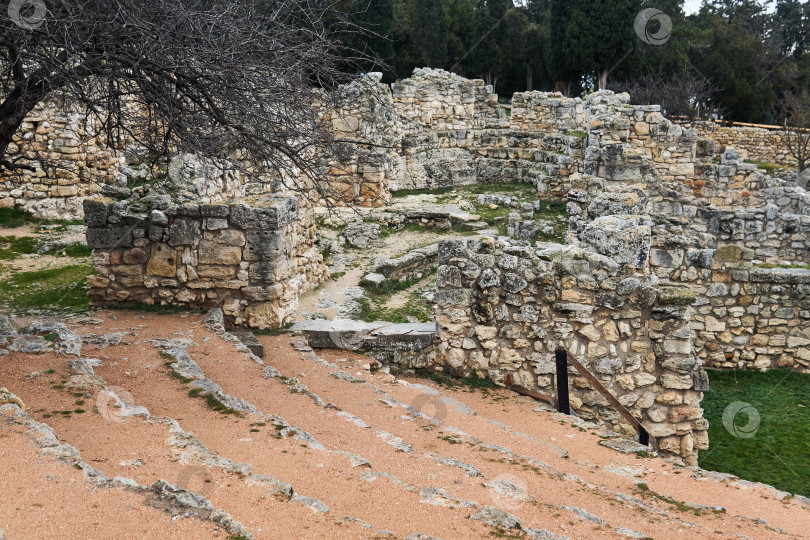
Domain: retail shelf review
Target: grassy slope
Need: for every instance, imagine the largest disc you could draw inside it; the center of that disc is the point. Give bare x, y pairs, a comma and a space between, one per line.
779, 453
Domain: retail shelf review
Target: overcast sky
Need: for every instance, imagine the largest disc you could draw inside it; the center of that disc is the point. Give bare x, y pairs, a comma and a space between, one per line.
691, 6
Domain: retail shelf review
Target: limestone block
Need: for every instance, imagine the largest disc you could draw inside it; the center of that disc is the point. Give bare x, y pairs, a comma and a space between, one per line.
215, 253
163, 261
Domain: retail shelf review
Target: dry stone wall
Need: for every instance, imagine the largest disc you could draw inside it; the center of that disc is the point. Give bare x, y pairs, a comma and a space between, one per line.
69, 165
504, 309
747, 317
546, 112
437, 100
759, 144
252, 258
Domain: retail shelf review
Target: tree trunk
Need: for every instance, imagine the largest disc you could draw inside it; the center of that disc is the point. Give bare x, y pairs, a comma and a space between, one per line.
13, 111
603, 76
529, 77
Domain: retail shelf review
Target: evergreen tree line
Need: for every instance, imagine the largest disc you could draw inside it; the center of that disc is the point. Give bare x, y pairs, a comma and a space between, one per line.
737, 59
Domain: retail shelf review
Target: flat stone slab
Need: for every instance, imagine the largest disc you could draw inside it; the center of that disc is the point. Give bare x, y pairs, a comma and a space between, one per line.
358, 335
250, 341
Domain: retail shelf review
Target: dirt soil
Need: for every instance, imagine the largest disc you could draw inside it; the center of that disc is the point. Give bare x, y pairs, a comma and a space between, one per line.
330, 449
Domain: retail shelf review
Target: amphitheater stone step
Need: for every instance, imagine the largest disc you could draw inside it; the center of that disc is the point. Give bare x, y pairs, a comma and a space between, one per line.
367, 336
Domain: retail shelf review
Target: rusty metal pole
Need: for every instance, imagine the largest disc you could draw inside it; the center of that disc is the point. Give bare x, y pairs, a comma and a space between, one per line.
562, 381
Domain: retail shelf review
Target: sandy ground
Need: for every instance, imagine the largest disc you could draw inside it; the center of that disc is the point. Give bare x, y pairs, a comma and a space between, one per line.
387, 456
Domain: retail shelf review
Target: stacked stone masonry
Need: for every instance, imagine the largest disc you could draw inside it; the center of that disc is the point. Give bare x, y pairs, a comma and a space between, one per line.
761, 144
69, 164
504, 309
252, 258
747, 317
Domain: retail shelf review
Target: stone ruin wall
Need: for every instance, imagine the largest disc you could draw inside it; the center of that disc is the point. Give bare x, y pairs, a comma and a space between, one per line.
746, 316
759, 144
504, 309
253, 258
70, 165
437, 129
433, 100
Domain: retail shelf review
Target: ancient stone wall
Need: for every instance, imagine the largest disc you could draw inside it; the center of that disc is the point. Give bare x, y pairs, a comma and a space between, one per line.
69, 163
368, 115
747, 317
504, 309
547, 112
437, 100
759, 144
628, 143
770, 234
252, 258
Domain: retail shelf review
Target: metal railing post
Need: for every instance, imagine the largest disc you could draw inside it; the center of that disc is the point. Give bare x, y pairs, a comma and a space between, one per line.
563, 405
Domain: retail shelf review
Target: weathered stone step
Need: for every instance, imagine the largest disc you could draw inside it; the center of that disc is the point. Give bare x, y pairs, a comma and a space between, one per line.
363, 336
32, 473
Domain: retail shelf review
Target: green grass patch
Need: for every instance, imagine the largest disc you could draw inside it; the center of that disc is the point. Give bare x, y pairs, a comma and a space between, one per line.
767, 167
59, 289
408, 192
473, 382
804, 266
76, 250
158, 309
777, 452
15, 217
372, 308
216, 405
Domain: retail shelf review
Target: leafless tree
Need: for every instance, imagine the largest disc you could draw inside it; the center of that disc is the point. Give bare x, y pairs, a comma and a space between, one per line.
218, 78
680, 95
796, 137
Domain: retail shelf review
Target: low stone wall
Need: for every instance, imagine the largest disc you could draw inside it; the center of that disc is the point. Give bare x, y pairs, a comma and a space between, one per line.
252, 258
69, 164
547, 111
760, 144
504, 309
769, 233
747, 317
438, 100
466, 157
